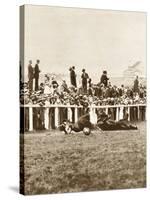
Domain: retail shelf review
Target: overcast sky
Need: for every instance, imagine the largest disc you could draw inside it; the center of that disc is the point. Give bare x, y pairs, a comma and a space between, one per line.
86, 38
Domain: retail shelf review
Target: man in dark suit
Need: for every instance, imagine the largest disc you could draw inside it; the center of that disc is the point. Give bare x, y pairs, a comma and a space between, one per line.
84, 77
36, 75
73, 76
104, 78
136, 85
30, 76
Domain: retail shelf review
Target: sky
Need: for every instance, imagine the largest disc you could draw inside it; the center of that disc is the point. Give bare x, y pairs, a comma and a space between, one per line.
96, 40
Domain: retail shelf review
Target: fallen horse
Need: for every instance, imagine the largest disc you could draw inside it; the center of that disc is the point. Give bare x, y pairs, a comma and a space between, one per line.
104, 123
110, 125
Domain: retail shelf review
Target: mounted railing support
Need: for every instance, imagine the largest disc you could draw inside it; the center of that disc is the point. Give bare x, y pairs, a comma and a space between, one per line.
56, 117
72, 113
46, 118
75, 114
30, 119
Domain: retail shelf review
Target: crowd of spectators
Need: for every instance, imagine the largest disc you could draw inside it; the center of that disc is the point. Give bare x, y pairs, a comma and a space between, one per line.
103, 93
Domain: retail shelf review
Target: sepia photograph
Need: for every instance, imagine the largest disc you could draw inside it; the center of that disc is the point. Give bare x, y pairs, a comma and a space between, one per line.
83, 99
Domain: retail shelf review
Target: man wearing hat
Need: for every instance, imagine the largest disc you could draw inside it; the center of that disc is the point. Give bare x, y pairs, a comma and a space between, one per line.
136, 85
104, 78
54, 82
73, 76
84, 77
36, 75
30, 75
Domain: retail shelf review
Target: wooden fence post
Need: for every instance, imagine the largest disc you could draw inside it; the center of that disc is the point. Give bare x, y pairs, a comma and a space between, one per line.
106, 110
56, 117
30, 119
76, 114
69, 114
138, 114
128, 113
117, 113
46, 118
145, 113
121, 113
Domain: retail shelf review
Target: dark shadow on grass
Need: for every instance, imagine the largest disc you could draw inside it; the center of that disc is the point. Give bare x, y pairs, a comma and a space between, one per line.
14, 189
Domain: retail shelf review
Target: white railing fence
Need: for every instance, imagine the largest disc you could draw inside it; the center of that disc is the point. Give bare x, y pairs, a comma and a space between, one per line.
34, 117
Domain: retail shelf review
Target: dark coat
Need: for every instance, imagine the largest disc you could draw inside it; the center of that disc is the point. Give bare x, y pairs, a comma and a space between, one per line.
104, 79
73, 78
30, 72
136, 86
84, 77
36, 71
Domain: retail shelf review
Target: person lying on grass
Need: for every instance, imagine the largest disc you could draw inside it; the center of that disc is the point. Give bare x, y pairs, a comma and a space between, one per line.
103, 123
106, 123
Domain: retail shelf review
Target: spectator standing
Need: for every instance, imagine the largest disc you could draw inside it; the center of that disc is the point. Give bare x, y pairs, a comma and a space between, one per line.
141, 92
136, 85
42, 88
84, 77
36, 75
108, 92
129, 92
54, 85
121, 90
104, 78
90, 89
64, 87
30, 75
73, 76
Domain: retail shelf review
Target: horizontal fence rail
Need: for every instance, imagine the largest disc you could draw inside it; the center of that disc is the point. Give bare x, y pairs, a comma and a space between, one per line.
47, 117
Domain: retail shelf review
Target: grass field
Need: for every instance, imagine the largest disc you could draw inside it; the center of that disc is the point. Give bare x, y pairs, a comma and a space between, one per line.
56, 163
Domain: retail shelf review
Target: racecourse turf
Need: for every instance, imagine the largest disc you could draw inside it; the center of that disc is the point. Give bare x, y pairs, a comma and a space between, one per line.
58, 163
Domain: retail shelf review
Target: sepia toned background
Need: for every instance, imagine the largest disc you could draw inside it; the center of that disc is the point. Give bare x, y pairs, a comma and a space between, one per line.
87, 38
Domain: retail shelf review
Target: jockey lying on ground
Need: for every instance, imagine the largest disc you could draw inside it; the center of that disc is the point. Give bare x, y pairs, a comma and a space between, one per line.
105, 123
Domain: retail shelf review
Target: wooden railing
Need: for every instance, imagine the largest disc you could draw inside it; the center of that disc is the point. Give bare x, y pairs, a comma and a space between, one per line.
73, 115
